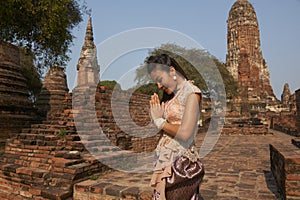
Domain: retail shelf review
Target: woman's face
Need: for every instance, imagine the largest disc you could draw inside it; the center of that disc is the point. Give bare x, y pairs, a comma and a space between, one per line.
164, 79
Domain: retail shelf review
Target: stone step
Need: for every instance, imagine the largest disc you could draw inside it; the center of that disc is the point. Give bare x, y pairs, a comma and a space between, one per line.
47, 126
42, 131
86, 170
104, 149
113, 159
56, 193
63, 170
73, 137
26, 130
32, 172
132, 186
25, 175
67, 154
95, 143
38, 161
40, 142
62, 162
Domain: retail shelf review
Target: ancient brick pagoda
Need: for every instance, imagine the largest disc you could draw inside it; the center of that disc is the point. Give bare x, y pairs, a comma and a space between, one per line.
244, 59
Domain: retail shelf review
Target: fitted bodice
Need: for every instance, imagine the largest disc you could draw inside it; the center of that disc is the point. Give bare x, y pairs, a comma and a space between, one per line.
170, 148
174, 109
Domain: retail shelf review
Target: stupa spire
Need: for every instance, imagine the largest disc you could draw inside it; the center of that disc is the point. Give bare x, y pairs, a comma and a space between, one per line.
88, 68
89, 38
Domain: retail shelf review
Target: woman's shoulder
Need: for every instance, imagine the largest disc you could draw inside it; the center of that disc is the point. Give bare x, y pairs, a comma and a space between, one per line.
188, 88
191, 88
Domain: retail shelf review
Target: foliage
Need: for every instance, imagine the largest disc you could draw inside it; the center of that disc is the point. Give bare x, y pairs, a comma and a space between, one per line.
149, 88
111, 84
231, 86
31, 74
196, 63
42, 26
62, 133
94, 177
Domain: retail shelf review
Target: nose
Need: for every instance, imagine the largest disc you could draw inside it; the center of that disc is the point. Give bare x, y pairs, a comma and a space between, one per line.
159, 85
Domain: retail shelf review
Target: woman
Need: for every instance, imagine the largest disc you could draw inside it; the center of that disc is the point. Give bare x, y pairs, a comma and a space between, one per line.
178, 171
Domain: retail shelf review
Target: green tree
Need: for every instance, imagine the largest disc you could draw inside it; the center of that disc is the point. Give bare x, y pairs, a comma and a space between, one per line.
111, 84
42, 26
32, 75
194, 61
149, 88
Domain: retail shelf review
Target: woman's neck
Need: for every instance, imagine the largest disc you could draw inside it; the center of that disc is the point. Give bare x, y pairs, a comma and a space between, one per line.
179, 80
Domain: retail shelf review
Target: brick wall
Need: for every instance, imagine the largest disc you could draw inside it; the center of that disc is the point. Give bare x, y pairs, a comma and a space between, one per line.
46, 160
285, 166
131, 111
298, 110
289, 121
16, 110
285, 122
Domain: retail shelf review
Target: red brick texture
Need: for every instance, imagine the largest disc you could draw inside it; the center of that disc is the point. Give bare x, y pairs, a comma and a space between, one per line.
285, 166
46, 160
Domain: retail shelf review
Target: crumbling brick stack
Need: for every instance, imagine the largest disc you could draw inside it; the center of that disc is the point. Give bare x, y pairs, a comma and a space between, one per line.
288, 121
53, 92
44, 161
235, 124
16, 110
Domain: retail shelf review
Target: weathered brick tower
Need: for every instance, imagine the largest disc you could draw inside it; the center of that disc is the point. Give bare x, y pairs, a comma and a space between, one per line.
244, 59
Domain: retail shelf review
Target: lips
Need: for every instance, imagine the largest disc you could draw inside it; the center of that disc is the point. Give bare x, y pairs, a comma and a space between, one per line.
168, 91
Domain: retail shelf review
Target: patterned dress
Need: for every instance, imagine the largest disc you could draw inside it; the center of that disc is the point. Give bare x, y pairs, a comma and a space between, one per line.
178, 170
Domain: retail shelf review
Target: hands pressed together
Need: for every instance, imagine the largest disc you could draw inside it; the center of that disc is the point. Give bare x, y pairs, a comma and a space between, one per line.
157, 111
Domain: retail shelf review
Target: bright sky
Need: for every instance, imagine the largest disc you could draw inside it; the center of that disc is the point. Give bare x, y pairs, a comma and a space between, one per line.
203, 21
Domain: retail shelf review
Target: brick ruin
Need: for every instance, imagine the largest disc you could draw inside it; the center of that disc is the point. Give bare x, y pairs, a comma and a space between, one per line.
285, 167
286, 120
285, 159
244, 59
45, 160
256, 108
53, 93
286, 95
16, 110
246, 113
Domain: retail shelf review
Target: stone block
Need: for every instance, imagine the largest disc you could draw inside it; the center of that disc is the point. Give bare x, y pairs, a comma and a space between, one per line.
285, 167
130, 193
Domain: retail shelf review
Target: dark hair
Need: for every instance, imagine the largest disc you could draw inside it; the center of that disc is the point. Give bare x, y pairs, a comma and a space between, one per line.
164, 59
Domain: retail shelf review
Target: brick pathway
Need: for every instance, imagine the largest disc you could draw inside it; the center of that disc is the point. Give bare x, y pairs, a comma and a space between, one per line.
237, 168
